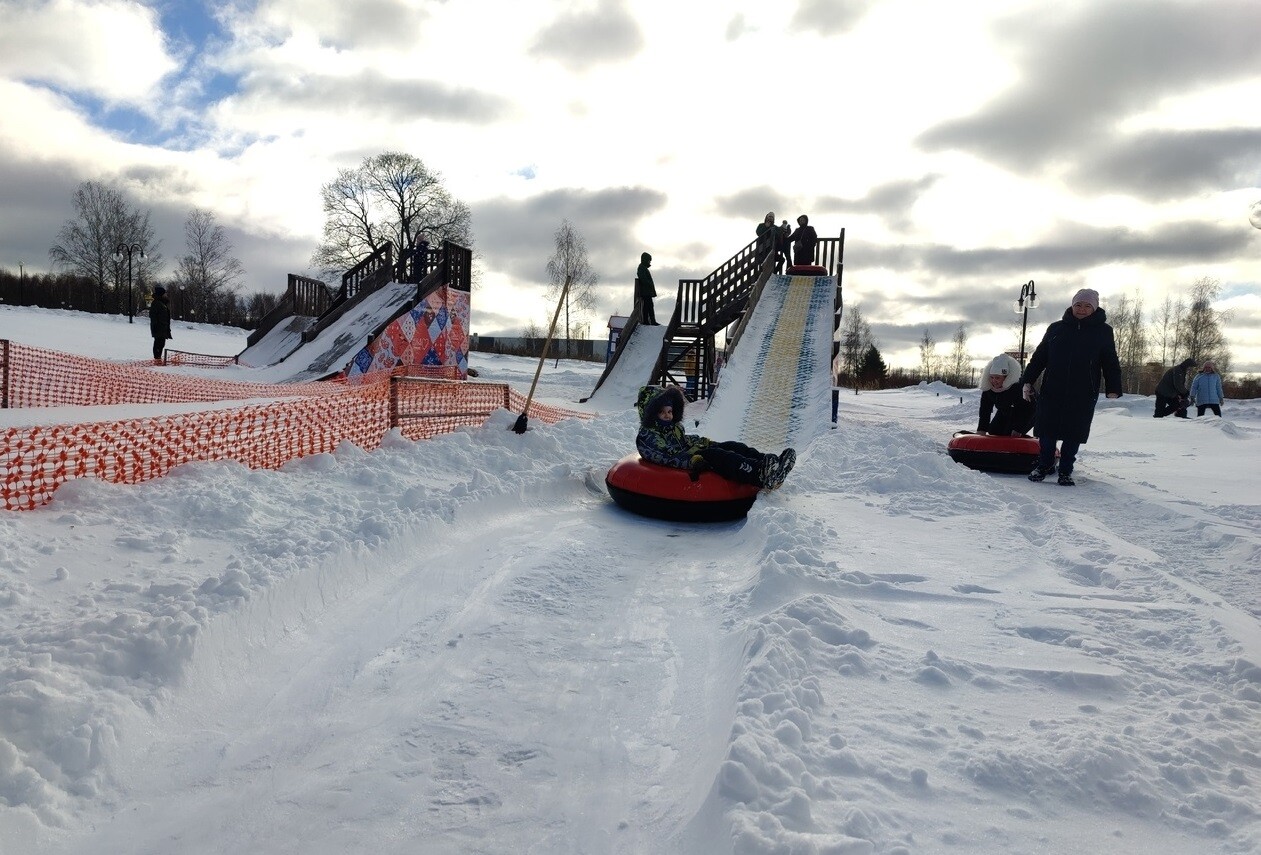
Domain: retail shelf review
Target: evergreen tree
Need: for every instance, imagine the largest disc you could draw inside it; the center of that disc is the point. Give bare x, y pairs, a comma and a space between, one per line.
872, 370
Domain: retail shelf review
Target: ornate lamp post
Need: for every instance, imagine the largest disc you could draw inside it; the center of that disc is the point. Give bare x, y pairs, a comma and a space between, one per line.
118, 256
1027, 300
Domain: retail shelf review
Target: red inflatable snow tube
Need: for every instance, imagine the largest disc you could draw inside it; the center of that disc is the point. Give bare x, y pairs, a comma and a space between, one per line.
994, 453
807, 270
666, 493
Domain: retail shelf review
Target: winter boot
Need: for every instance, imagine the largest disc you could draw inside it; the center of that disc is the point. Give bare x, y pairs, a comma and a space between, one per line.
1066, 480
1039, 473
787, 459
769, 475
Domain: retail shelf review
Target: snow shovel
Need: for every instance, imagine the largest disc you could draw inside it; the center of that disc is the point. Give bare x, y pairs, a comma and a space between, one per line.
522, 422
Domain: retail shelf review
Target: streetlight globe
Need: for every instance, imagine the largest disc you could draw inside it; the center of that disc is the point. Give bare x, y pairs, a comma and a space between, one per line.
1018, 307
1033, 301
1254, 214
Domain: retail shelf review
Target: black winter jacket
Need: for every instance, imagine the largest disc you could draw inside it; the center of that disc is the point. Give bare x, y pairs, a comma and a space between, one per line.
665, 443
1174, 383
1070, 358
160, 317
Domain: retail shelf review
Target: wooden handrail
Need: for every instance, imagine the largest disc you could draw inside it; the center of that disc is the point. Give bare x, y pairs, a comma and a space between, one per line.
707, 306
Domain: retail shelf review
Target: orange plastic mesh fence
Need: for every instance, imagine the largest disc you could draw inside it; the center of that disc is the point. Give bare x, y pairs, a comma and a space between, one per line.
208, 360
436, 401
35, 377
36, 460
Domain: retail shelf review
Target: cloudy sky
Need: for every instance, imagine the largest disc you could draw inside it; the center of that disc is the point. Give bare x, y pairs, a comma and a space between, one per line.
964, 148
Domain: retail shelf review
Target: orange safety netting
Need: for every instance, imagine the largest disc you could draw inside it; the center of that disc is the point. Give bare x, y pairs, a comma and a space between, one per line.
208, 360
37, 459
35, 377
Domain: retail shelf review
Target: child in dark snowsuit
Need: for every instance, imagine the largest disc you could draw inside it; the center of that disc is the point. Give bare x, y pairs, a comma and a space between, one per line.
661, 440
1002, 397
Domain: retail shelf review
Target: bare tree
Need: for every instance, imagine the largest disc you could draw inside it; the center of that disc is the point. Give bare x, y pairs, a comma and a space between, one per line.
87, 244
1200, 333
1126, 318
1168, 321
258, 304
569, 265
959, 359
856, 338
208, 271
927, 355
390, 197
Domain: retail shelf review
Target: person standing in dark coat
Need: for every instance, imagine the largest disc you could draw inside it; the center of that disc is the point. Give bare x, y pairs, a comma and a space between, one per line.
765, 246
804, 238
159, 321
1004, 410
772, 240
645, 291
1072, 354
1171, 391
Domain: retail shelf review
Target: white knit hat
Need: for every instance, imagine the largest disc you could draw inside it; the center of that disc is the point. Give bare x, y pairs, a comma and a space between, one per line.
1005, 365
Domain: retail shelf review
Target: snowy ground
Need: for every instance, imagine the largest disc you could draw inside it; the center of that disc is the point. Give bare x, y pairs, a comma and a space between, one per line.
462, 646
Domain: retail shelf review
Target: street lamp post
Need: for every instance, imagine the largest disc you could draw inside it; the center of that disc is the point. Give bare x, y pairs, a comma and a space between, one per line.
1027, 300
21, 284
118, 256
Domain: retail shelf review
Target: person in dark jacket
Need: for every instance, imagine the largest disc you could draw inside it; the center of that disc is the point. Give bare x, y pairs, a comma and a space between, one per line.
662, 440
804, 238
1004, 410
1072, 354
772, 240
645, 291
1171, 391
159, 321
1206, 390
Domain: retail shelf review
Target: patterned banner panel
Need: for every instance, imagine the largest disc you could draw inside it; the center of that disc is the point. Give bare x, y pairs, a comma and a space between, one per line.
431, 340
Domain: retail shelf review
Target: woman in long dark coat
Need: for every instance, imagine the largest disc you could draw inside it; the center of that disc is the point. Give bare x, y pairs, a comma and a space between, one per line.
1073, 353
159, 321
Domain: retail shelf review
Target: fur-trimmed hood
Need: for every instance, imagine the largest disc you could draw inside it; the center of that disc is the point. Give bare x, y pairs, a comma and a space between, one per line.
1005, 365
653, 398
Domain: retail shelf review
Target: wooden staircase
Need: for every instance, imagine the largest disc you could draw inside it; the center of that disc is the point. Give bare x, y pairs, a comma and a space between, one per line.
706, 307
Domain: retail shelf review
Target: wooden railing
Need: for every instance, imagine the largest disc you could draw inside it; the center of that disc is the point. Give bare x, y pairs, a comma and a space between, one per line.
457, 266
707, 306
368, 275
303, 296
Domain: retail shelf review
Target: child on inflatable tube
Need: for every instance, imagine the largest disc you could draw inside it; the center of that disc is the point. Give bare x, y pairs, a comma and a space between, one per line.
662, 440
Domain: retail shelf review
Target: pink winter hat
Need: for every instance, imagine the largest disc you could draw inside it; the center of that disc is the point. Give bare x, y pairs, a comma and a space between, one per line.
1087, 295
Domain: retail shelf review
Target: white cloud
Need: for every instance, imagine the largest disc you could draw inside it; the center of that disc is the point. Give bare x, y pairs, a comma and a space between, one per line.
110, 50
724, 109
